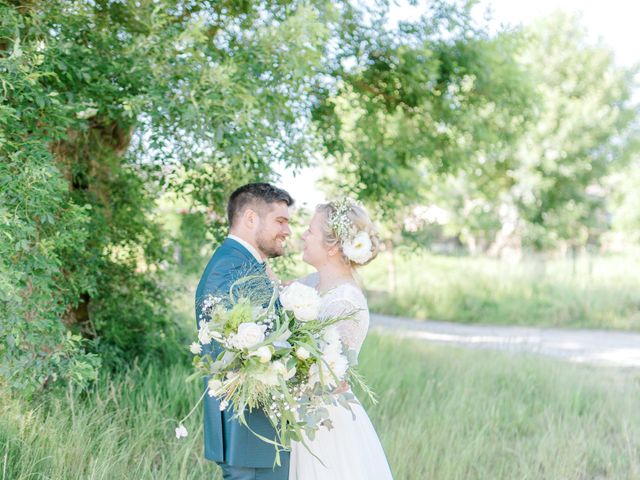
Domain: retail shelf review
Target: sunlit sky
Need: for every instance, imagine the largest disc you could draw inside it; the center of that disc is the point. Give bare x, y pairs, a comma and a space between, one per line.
615, 22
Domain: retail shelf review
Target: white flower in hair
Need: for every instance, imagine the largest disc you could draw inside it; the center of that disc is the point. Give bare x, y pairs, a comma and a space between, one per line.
359, 248
356, 245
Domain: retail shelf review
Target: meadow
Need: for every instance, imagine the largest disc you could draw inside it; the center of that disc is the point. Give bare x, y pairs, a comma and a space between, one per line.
598, 291
443, 413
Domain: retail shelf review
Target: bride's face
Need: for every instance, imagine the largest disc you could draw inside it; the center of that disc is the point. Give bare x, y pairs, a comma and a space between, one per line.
315, 251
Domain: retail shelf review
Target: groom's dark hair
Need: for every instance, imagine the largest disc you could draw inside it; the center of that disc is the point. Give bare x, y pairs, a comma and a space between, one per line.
257, 195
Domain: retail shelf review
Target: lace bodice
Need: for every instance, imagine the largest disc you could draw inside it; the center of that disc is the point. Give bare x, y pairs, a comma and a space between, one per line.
342, 300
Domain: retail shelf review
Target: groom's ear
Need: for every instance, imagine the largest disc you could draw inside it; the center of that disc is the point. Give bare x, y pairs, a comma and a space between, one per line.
250, 216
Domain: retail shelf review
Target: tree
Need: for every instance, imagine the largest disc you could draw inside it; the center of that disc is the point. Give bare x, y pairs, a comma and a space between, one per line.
584, 129
436, 96
103, 104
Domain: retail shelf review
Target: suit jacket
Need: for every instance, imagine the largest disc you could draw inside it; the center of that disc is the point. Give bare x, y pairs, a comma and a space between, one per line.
226, 440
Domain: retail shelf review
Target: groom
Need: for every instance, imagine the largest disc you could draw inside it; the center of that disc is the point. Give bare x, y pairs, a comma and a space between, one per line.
258, 215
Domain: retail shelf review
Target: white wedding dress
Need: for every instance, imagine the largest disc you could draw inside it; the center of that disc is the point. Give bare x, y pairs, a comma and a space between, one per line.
351, 450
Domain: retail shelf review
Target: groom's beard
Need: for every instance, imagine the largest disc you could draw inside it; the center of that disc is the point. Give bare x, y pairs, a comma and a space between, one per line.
270, 247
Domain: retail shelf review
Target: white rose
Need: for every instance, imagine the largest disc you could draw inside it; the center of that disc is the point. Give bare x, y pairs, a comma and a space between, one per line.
249, 334
302, 300
358, 249
263, 353
195, 348
302, 353
338, 365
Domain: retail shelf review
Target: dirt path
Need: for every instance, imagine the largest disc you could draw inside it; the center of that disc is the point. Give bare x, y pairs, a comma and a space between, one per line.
620, 349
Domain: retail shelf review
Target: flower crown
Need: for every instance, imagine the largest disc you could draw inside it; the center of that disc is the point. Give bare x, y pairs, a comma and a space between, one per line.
356, 245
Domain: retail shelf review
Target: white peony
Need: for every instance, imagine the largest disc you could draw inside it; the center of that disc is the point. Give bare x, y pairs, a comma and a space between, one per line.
249, 334
195, 348
263, 353
302, 353
333, 341
302, 300
270, 376
359, 248
337, 363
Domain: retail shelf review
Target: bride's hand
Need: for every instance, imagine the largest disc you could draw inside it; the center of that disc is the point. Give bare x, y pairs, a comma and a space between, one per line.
275, 278
270, 273
343, 387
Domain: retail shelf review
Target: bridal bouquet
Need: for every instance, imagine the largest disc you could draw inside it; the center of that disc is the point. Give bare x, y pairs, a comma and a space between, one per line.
287, 362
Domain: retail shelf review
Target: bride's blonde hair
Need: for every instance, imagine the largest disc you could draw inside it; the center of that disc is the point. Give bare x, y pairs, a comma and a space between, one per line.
361, 221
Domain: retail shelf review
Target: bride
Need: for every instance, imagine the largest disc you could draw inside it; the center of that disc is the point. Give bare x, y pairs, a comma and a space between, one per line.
340, 237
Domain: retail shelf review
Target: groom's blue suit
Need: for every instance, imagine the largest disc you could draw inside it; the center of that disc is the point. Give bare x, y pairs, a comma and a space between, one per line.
238, 451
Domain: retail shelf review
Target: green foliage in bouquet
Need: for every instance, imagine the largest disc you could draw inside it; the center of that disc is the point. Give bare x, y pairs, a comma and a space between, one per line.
285, 361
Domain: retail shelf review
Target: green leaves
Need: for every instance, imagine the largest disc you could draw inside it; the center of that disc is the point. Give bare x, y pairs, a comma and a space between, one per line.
419, 104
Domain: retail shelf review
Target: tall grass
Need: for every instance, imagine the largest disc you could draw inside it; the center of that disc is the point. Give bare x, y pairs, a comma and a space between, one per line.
592, 292
124, 430
443, 413
448, 413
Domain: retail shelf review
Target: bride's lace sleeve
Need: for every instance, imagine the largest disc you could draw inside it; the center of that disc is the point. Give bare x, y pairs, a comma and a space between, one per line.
353, 330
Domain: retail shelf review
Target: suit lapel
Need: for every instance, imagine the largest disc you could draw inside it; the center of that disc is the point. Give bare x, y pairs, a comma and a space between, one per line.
231, 244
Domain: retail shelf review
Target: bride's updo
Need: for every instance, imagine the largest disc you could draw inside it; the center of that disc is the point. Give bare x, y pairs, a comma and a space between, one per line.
348, 225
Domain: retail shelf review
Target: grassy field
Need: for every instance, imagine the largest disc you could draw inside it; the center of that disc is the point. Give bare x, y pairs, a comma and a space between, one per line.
444, 413
597, 292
